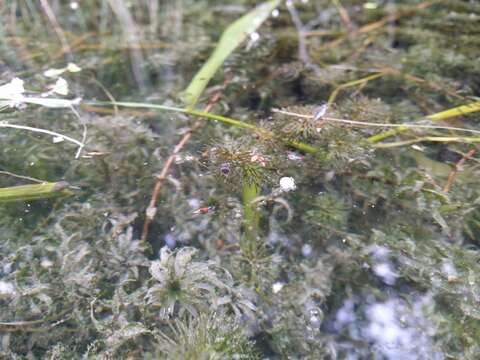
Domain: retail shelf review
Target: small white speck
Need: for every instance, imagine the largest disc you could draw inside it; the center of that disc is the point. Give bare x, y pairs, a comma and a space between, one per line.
370, 5
315, 321
385, 271
418, 147
170, 240
6, 288
7, 268
287, 184
254, 36
275, 12
74, 5
294, 157
307, 250
151, 211
277, 287
73, 68
46, 263
193, 203
320, 112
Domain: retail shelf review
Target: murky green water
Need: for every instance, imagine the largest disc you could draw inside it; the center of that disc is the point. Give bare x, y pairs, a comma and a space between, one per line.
303, 224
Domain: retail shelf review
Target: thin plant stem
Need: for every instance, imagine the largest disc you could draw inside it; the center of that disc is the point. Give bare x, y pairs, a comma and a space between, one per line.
361, 81
152, 206
443, 115
262, 132
8, 173
365, 123
43, 131
56, 26
443, 139
458, 167
250, 192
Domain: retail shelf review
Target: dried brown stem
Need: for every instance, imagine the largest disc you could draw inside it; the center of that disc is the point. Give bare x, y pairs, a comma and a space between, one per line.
369, 27
152, 207
456, 169
56, 26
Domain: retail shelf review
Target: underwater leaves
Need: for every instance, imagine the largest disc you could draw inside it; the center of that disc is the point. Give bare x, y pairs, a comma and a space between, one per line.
209, 336
183, 286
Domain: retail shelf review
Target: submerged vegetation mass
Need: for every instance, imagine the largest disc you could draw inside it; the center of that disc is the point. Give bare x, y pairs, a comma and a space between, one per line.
241, 180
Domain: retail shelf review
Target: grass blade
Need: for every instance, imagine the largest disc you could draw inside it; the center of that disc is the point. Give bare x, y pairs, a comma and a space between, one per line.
443, 115
231, 38
34, 192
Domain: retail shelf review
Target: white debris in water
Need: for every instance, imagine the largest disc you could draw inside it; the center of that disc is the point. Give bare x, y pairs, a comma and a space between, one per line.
11, 94
307, 250
315, 317
277, 287
46, 263
7, 267
345, 315
320, 112
399, 331
396, 330
53, 72
294, 156
287, 184
14, 87
6, 288
382, 266
254, 36
151, 212
386, 272
370, 5
58, 139
194, 203
170, 241
448, 268
60, 87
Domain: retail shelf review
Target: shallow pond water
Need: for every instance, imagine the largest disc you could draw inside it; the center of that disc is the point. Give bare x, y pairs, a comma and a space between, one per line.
317, 200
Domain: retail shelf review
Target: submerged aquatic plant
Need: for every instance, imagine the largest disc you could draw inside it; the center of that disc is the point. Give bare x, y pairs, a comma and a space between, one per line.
237, 162
209, 336
184, 286
291, 233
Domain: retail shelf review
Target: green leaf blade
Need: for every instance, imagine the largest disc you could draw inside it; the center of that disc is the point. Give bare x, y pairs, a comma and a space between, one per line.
231, 38
34, 192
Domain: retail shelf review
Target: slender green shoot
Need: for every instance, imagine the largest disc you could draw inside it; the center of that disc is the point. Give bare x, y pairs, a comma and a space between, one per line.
35, 192
231, 38
226, 120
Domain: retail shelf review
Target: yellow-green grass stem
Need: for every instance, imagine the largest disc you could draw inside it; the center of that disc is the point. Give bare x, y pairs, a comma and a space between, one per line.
206, 115
35, 191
